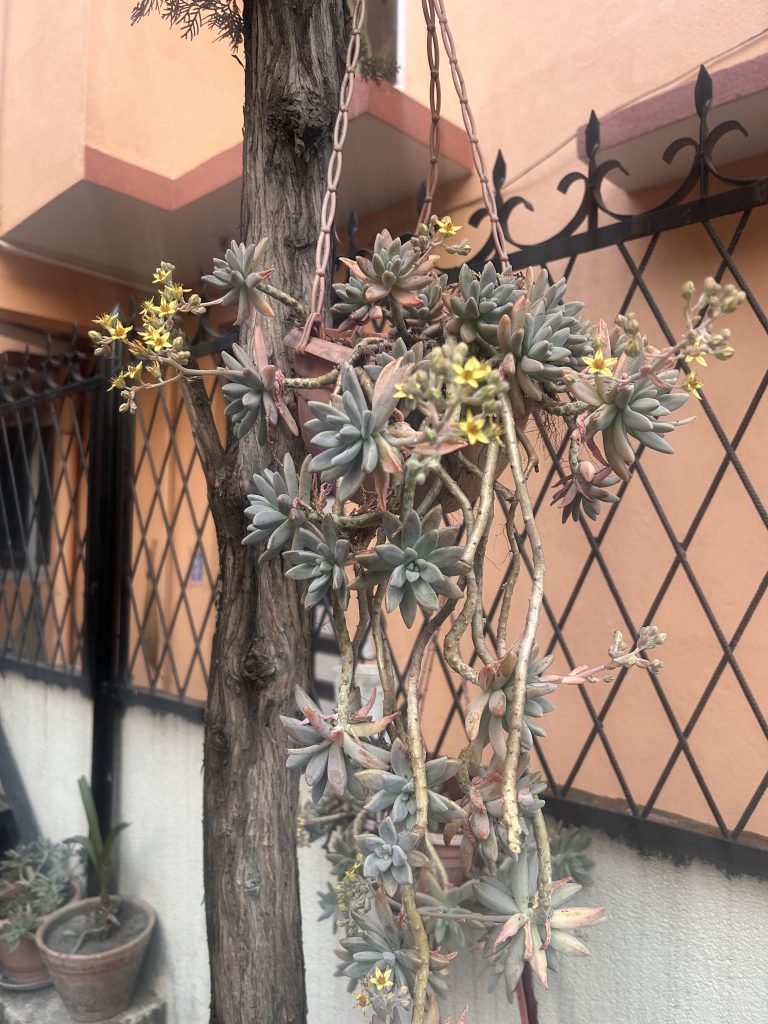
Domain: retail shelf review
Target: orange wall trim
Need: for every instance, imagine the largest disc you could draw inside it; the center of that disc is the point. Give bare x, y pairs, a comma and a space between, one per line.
165, 193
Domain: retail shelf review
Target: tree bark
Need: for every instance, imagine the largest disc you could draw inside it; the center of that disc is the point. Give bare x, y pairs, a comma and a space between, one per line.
293, 61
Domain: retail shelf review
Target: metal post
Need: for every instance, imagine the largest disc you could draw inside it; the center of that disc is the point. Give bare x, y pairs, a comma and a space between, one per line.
107, 550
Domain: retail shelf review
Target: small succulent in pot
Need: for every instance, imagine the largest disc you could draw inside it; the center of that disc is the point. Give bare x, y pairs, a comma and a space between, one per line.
391, 856
36, 878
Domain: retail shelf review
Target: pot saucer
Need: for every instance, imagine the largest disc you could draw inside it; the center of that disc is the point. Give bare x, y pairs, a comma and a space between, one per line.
29, 986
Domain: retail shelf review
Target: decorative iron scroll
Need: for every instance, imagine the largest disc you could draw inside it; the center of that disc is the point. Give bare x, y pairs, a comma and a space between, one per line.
695, 184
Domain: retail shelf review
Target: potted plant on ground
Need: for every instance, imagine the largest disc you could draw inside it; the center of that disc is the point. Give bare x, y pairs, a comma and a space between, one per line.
36, 878
95, 949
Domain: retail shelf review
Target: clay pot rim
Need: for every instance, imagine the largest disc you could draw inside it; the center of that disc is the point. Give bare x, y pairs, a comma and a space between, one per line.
93, 958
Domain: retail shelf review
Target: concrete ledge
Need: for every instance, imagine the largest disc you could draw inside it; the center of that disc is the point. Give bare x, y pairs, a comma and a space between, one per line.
45, 1007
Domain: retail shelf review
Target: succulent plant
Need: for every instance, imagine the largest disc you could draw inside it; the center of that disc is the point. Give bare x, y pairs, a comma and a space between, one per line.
483, 830
536, 341
584, 491
237, 272
569, 856
426, 318
407, 357
530, 932
353, 436
447, 933
415, 563
274, 512
488, 715
329, 905
396, 789
252, 394
342, 854
382, 944
391, 856
630, 409
320, 559
352, 304
396, 269
328, 752
478, 303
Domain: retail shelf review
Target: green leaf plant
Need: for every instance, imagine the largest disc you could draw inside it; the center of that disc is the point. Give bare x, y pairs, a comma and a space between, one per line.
98, 849
441, 382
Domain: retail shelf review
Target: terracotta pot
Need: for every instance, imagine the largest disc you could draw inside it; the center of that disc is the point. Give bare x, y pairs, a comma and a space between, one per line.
450, 857
96, 986
24, 966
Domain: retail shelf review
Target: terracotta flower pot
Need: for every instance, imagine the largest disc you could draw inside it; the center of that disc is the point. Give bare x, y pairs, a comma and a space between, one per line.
24, 966
96, 986
450, 857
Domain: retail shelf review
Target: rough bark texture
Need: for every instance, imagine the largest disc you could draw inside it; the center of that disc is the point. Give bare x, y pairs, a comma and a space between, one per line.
293, 60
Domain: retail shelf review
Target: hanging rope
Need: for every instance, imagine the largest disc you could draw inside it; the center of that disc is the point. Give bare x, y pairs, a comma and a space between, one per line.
471, 129
435, 99
328, 209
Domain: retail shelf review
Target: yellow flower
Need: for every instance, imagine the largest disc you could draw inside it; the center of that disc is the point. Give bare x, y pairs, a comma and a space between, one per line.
154, 337
446, 227
598, 364
105, 320
167, 307
118, 331
174, 292
362, 1001
400, 391
473, 428
162, 273
693, 384
696, 356
381, 979
134, 371
117, 382
471, 373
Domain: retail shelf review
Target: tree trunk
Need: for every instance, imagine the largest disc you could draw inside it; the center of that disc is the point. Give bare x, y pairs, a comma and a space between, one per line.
293, 62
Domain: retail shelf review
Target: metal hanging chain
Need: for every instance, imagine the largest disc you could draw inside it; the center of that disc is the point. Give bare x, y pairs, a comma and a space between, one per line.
435, 99
471, 130
328, 209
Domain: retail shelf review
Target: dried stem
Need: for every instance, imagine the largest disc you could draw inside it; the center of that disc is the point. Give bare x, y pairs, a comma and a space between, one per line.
384, 662
347, 657
422, 947
514, 739
437, 862
541, 836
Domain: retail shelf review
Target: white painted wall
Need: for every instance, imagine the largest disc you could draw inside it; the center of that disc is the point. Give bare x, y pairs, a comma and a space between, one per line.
49, 732
684, 945
160, 792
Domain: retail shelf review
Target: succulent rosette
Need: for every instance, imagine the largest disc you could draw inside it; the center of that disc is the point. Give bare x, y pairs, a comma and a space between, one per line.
395, 789
488, 715
415, 563
329, 752
391, 856
531, 932
319, 560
